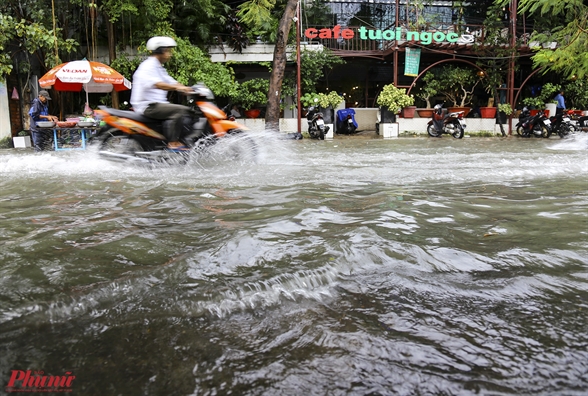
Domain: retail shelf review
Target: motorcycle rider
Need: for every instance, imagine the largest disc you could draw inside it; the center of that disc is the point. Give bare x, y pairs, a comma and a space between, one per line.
150, 85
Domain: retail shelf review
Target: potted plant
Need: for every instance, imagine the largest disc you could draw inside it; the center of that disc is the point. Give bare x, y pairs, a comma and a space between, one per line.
328, 102
534, 103
429, 89
251, 94
22, 140
548, 92
504, 110
393, 100
488, 111
457, 86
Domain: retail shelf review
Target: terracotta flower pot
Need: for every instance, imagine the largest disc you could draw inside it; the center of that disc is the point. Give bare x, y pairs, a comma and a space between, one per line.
425, 113
488, 112
465, 110
408, 112
253, 113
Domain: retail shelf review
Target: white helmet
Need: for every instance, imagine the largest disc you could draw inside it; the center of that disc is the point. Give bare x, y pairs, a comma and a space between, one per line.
155, 43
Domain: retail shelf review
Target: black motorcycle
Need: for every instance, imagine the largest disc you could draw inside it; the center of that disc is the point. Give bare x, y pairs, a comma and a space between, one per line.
316, 124
533, 125
562, 124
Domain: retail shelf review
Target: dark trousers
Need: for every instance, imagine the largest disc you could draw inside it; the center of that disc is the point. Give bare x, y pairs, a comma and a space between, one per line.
172, 112
41, 139
559, 110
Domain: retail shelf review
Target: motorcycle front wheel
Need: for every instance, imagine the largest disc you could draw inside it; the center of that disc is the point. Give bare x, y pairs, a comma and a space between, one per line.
458, 134
432, 131
545, 131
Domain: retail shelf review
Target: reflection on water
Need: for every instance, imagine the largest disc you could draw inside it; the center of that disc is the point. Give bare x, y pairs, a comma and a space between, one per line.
353, 266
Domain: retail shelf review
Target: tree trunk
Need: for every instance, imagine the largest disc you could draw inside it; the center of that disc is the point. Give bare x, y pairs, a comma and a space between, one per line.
112, 57
272, 115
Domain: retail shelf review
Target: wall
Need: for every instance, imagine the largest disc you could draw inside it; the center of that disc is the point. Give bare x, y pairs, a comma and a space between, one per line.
5, 130
366, 118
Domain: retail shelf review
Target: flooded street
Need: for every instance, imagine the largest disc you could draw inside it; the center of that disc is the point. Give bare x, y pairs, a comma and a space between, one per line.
347, 267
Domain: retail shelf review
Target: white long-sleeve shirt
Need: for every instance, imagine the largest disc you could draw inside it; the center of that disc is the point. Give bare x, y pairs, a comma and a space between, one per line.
143, 93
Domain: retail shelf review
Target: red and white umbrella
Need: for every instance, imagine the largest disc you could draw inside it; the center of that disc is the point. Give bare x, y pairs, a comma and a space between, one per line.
91, 76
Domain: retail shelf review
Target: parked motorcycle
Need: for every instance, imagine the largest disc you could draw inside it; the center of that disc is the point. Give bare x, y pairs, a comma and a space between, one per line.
346, 123
562, 123
537, 125
130, 136
452, 124
316, 124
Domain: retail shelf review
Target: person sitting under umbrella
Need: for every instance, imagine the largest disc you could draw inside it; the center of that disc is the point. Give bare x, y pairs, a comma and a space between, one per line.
40, 111
150, 83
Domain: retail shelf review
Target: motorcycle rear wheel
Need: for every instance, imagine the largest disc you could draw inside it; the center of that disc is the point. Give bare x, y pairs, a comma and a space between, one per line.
522, 132
432, 131
565, 130
118, 142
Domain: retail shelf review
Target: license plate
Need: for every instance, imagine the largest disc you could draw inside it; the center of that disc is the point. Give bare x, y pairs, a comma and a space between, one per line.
547, 122
566, 119
320, 122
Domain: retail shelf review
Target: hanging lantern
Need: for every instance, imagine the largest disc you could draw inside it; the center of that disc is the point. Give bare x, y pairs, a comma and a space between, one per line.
15, 94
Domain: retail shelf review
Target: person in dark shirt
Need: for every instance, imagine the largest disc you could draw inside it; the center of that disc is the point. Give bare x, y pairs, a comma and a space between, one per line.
40, 112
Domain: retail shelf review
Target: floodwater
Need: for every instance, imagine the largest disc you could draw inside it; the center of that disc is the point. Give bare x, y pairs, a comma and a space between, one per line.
348, 267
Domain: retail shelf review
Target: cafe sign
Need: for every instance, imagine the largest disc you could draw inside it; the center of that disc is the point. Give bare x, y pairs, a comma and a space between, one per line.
425, 38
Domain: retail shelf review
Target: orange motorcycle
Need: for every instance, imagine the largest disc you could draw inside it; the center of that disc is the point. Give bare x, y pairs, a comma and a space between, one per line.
129, 136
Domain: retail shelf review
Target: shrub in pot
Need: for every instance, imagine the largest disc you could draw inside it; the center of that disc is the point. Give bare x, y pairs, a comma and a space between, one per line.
393, 100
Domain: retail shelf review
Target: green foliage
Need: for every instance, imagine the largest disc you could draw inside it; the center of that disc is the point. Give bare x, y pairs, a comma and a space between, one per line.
322, 100
458, 84
332, 99
430, 87
257, 15
569, 58
547, 93
6, 143
32, 37
505, 108
394, 99
494, 51
190, 65
314, 65
309, 99
24, 133
534, 102
251, 93
576, 93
